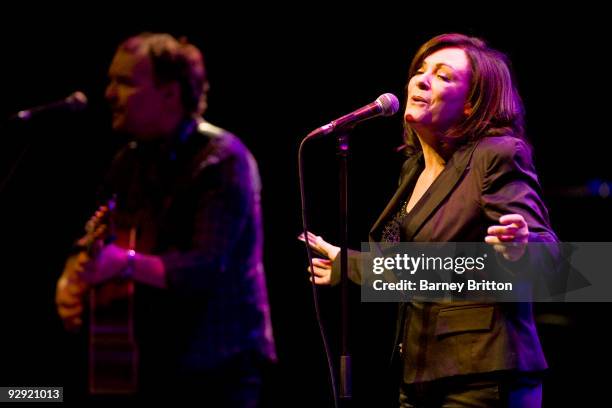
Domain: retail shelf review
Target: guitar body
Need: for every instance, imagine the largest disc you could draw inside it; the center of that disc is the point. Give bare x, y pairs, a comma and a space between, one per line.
113, 350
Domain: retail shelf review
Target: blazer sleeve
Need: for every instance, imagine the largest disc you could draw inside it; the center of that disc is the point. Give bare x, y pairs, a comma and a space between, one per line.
510, 186
354, 268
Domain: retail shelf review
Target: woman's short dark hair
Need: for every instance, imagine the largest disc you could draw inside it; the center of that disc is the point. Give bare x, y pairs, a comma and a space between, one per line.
497, 108
174, 60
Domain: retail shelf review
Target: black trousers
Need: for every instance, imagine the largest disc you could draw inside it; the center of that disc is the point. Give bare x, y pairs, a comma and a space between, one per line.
486, 391
237, 383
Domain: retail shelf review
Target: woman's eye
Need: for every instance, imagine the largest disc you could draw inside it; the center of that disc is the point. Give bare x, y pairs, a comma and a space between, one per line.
444, 78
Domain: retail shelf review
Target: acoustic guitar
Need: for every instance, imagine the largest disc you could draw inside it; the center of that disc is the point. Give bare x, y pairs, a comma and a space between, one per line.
113, 351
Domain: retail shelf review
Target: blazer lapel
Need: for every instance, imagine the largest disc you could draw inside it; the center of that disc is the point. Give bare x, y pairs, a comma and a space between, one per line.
413, 168
439, 189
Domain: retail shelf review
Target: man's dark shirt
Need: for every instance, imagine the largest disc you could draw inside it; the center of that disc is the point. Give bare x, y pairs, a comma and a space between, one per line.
195, 202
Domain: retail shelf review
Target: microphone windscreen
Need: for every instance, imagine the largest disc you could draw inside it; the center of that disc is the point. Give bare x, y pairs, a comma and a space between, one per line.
389, 103
77, 101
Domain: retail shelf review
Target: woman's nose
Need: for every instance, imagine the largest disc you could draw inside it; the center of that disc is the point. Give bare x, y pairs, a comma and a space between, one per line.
423, 82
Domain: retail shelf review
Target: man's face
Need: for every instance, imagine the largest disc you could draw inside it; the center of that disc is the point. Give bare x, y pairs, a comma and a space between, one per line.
137, 103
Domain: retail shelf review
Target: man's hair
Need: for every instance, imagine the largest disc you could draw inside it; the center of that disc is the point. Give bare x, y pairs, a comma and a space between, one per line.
174, 60
497, 108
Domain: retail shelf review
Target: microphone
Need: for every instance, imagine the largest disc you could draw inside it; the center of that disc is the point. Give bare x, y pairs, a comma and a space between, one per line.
75, 102
385, 105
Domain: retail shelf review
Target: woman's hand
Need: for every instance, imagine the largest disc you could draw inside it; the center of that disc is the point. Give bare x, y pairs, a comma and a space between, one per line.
510, 238
322, 271
322, 267
321, 246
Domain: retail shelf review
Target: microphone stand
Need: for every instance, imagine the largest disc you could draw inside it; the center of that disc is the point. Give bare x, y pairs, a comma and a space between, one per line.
342, 150
9, 126
386, 105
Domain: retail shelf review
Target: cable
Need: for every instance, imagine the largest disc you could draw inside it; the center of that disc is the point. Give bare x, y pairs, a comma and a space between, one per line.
315, 296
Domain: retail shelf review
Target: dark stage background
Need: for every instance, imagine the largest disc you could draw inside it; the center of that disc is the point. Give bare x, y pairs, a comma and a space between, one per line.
275, 75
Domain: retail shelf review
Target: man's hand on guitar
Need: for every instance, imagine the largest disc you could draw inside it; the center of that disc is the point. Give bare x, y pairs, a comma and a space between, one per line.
70, 291
80, 271
111, 262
